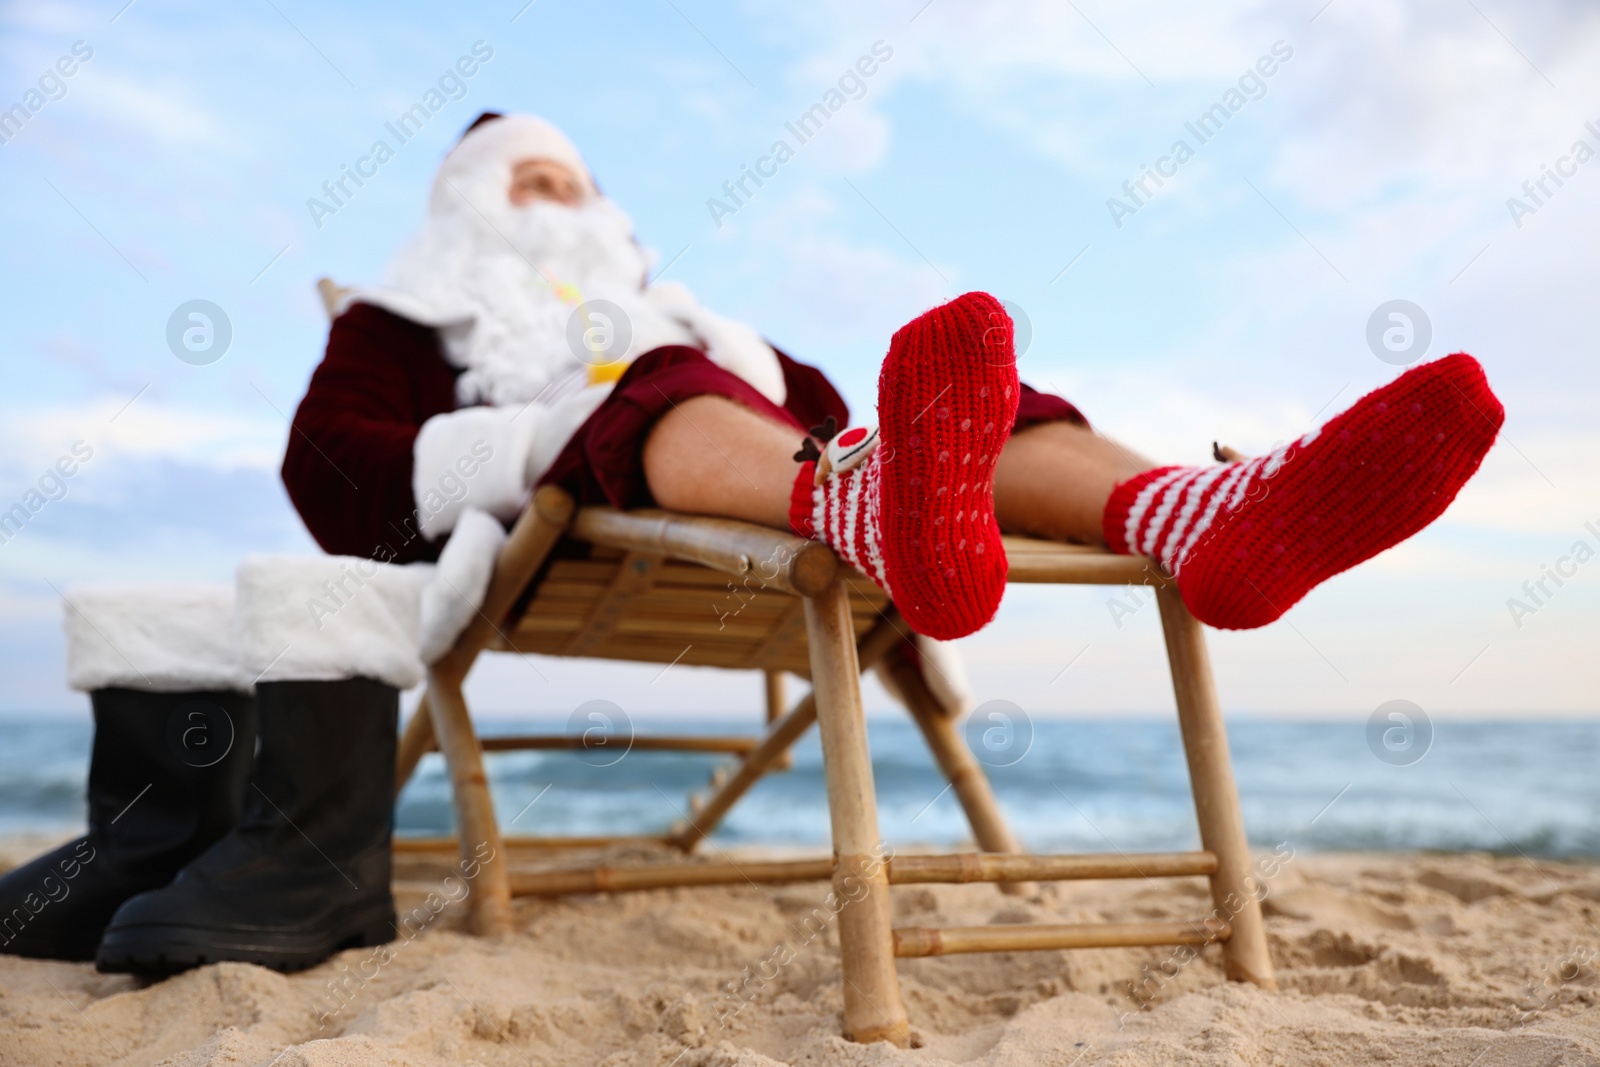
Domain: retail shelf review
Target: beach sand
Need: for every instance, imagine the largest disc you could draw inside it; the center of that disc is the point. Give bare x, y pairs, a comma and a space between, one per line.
1383, 958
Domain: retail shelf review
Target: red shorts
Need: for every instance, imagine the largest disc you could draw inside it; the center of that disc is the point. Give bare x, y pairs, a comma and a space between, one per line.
603, 462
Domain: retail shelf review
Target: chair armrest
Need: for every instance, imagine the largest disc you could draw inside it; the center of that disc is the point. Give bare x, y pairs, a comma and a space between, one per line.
1053, 563
776, 558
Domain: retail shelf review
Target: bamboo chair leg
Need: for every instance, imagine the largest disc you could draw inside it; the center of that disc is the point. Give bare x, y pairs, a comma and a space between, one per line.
777, 705
531, 539
763, 758
490, 902
1216, 799
785, 731
873, 1010
415, 742
960, 768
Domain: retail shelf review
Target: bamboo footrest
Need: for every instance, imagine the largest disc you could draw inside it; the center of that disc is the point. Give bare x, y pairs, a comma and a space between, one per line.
1023, 867
452, 845
666, 876
737, 746
949, 940
638, 743
902, 870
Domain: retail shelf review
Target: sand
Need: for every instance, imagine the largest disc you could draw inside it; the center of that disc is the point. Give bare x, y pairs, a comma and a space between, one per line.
1467, 960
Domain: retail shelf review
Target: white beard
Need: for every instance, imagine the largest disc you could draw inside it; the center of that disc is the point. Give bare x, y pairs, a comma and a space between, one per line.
502, 286
587, 246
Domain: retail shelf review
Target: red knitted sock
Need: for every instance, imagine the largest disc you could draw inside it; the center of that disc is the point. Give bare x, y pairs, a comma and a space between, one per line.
915, 509
1245, 541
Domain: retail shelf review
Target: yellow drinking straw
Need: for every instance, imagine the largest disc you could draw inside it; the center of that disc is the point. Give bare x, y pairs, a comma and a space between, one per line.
599, 373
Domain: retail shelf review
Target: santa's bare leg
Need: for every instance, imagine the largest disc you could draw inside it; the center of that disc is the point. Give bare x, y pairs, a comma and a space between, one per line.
713, 456
1054, 479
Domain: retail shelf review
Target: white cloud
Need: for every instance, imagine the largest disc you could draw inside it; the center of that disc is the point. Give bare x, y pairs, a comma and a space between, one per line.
854, 141
826, 289
145, 429
1403, 123
163, 109
48, 21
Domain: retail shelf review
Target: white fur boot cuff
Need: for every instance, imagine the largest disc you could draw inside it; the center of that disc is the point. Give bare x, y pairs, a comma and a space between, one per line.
171, 638
326, 618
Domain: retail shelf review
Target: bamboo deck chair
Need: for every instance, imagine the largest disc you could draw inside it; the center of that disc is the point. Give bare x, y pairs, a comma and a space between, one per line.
608, 584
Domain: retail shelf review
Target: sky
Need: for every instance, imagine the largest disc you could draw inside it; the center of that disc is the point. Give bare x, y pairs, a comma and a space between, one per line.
1370, 152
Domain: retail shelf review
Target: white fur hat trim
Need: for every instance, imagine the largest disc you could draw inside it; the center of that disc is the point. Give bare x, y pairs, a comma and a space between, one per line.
481, 162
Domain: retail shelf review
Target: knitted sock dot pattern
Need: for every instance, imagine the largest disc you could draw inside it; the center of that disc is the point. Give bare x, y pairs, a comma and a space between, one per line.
1246, 541
918, 514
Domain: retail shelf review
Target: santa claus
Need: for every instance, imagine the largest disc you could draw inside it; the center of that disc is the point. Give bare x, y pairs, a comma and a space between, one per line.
518, 341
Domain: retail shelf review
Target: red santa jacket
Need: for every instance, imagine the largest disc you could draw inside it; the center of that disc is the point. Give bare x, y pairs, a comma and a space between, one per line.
348, 464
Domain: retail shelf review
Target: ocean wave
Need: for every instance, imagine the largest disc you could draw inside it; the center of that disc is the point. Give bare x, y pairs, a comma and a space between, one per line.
1505, 786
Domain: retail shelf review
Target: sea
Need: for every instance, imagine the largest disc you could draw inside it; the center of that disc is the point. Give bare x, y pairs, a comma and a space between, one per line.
1512, 786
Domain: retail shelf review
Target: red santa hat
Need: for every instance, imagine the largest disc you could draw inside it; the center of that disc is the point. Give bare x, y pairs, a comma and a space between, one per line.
482, 161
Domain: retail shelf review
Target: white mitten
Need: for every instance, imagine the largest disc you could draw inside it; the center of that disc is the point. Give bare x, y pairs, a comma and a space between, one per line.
488, 458
476, 457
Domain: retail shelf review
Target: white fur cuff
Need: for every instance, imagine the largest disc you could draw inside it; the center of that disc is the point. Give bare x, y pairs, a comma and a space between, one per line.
326, 618
173, 638
460, 580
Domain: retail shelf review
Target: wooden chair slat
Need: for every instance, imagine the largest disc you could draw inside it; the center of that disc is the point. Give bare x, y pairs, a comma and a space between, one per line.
580, 571
634, 577
783, 640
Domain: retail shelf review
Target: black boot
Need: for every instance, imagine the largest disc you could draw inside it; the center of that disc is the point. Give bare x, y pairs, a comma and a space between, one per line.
166, 779
305, 873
